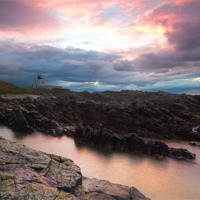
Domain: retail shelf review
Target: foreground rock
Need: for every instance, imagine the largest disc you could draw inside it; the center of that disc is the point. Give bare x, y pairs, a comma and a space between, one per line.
30, 174
99, 189
98, 135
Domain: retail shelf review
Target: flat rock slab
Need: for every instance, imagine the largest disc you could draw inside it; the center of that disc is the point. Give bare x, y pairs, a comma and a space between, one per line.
29, 174
101, 189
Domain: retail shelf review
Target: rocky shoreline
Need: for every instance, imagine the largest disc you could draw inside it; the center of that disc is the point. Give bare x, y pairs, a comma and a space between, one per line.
43, 114
137, 116
29, 174
151, 115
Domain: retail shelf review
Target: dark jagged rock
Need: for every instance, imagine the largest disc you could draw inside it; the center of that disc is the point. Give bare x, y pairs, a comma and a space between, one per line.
96, 135
158, 115
155, 148
181, 154
45, 114
132, 142
17, 121
21, 115
151, 115
29, 174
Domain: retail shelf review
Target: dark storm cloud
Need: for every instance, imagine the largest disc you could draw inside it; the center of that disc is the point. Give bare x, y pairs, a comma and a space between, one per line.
182, 23
186, 35
20, 63
151, 62
162, 66
20, 13
55, 63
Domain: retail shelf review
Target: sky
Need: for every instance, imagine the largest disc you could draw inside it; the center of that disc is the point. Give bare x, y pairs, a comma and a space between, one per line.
102, 45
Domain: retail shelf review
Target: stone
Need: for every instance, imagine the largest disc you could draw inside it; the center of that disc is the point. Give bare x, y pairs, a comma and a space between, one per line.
156, 148
152, 115
29, 174
135, 143
101, 189
97, 135
181, 154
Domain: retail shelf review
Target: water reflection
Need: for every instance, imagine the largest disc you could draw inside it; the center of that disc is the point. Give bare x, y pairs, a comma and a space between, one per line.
81, 145
159, 180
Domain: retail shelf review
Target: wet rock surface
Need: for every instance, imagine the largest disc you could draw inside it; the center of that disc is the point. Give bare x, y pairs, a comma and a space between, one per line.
29, 174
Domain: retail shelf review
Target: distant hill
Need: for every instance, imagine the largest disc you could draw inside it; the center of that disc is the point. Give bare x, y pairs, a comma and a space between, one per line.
8, 88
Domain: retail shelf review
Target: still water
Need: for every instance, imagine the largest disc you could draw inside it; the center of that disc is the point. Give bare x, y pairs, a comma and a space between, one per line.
159, 180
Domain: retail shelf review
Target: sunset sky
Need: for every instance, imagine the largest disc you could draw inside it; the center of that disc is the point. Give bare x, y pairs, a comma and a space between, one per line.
98, 45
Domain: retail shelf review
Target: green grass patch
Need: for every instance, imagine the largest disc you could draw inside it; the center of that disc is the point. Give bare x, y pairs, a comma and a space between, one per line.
8, 88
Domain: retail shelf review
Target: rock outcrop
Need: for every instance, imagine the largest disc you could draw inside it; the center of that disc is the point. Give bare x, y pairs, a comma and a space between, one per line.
151, 115
50, 114
22, 115
29, 174
98, 135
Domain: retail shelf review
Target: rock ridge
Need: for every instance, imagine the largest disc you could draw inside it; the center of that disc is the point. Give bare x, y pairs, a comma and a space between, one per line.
98, 135
151, 115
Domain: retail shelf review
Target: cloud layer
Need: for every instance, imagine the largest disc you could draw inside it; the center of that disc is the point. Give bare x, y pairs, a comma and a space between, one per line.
104, 45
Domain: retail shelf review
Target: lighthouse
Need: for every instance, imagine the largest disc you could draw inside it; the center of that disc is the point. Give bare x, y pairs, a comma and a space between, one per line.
38, 82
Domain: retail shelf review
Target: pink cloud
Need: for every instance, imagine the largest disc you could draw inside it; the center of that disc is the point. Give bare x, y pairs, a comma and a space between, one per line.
18, 13
171, 13
142, 20
19, 19
22, 18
